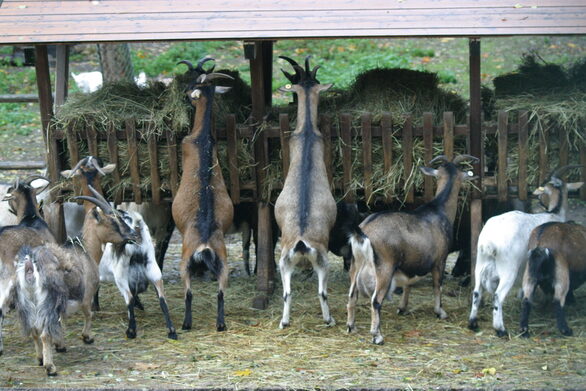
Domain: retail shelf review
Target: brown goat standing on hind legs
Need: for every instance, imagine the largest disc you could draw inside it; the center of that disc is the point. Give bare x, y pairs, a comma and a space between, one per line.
396, 247
305, 210
202, 208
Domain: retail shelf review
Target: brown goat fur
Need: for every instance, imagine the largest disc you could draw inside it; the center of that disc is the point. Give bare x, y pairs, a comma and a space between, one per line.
67, 279
305, 209
202, 208
557, 264
405, 245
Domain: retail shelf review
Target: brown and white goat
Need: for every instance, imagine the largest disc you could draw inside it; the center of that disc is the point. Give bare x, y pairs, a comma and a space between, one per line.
305, 210
558, 265
31, 230
398, 247
54, 281
202, 208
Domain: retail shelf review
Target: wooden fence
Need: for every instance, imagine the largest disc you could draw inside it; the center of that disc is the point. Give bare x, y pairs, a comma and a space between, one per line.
345, 131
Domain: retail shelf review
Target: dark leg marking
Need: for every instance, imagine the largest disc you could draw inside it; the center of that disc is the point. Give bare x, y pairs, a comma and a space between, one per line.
525, 310
220, 323
172, 333
561, 319
187, 319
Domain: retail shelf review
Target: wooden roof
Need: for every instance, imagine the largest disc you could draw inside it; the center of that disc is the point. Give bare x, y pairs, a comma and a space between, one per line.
72, 21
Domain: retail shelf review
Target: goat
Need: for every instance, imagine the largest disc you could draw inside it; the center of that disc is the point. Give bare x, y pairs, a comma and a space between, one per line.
557, 264
305, 209
54, 281
405, 245
92, 81
31, 230
502, 247
202, 208
348, 218
131, 267
157, 217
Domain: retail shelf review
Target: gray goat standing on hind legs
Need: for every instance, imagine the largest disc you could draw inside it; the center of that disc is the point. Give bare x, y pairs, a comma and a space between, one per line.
305, 210
397, 247
202, 208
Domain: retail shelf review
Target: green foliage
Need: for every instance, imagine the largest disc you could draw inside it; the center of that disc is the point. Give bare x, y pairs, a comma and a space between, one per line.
19, 118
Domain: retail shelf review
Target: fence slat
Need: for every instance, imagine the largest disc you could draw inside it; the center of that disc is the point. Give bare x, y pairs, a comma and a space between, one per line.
284, 135
583, 163
345, 130
503, 136
386, 125
564, 147
92, 141
72, 147
232, 144
449, 134
543, 163
133, 160
173, 162
523, 154
366, 122
408, 158
112, 141
326, 131
428, 154
155, 177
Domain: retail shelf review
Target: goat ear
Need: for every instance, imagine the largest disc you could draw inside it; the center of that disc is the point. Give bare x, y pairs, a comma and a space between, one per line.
539, 191
574, 185
109, 168
8, 196
325, 87
40, 185
222, 90
96, 213
428, 171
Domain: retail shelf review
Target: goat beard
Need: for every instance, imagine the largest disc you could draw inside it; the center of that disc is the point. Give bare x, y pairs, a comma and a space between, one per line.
29, 272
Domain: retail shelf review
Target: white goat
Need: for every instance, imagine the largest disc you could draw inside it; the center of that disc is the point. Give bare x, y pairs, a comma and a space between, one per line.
502, 247
131, 267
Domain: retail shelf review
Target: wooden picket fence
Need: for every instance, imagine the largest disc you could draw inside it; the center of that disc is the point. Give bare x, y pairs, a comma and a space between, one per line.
66, 145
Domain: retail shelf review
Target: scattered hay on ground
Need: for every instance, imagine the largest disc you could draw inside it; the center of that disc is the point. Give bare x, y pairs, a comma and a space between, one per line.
420, 351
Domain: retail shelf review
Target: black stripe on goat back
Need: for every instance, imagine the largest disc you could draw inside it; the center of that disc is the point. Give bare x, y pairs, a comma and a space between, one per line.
308, 137
205, 218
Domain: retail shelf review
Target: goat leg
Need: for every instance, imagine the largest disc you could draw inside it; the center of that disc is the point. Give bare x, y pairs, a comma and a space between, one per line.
321, 268
437, 276
48, 354
286, 270
131, 330
172, 333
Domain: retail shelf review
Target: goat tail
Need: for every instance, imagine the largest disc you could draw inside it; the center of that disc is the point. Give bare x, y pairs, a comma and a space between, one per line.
362, 251
208, 259
301, 248
540, 259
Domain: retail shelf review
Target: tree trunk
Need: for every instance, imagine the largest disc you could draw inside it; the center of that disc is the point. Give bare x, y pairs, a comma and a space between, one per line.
116, 62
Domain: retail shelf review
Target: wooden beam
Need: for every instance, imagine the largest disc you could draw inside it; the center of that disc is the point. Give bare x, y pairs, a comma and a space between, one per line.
61, 75
475, 147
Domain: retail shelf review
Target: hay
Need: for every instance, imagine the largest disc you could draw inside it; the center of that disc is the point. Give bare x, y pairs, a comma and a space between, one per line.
420, 351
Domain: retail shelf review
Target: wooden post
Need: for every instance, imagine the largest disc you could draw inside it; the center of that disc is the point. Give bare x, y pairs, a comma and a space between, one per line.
408, 160
367, 156
259, 53
503, 134
61, 75
523, 155
386, 129
475, 147
54, 215
428, 154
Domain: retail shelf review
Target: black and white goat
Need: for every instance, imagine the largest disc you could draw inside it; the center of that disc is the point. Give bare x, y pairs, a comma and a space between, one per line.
30, 230
131, 266
397, 247
558, 265
305, 209
502, 247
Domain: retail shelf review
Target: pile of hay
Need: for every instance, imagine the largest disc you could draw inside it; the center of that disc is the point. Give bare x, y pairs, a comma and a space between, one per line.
555, 99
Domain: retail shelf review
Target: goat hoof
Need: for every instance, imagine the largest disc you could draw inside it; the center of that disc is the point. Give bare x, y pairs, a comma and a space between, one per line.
525, 333
51, 370
442, 315
131, 334
60, 349
87, 340
221, 327
186, 326
40, 361
401, 311
331, 322
283, 325
567, 331
172, 334
378, 340
350, 328
502, 333
473, 324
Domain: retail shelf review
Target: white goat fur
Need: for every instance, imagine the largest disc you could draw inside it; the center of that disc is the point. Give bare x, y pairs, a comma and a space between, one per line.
501, 253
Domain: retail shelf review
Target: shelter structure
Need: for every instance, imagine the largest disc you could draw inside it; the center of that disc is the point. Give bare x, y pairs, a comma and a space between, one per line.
258, 24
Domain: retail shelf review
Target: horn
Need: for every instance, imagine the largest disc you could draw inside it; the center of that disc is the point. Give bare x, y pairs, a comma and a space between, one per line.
188, 63
203, 61
298, 70
462, 158
212, 76
562, 170
440, 158
106, 207
16, 183
100, 197
313, 73
77, 166
307, 69
94, 162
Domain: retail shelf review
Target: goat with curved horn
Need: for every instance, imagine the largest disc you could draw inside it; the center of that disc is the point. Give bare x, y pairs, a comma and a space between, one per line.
558, 172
